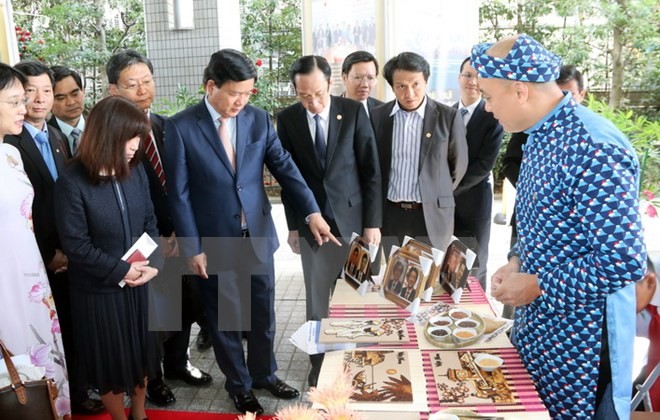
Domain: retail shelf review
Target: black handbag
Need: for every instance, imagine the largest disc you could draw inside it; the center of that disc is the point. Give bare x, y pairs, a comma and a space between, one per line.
26, 400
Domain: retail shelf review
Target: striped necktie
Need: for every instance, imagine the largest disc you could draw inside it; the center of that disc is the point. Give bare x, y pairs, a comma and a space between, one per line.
154, 159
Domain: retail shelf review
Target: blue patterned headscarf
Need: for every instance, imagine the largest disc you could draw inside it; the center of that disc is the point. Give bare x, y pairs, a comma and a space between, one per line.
528, 61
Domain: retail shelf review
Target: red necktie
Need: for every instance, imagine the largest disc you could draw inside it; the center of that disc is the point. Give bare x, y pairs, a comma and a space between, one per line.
654, 353
154, 159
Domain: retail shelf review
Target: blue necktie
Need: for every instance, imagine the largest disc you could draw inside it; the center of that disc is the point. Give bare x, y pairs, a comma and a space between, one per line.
75, 137
464, 113
319, 141
47, 153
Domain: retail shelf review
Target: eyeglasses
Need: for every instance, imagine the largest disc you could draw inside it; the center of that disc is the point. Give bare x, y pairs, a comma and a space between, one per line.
361, 78
137, 85
468, 76
15, 103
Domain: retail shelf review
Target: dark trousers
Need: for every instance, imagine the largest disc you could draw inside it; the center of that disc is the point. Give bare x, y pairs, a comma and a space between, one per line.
475, 234
59, 286
398, 223
175, 306
236, 300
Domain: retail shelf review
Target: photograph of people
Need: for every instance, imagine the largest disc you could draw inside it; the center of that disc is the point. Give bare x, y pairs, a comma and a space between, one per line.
409, 289
363, 271
353, 259
395, 279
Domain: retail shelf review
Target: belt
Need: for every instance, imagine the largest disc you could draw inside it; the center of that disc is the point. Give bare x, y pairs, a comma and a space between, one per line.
406, 205
245, 233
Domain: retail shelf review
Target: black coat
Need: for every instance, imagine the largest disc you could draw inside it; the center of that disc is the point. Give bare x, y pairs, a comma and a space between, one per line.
91, 230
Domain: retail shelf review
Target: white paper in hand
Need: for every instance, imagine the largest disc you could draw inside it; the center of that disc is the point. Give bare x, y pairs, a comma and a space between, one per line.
140, 251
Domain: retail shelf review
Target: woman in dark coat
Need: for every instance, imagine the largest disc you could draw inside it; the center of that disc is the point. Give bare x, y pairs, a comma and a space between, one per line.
103, 205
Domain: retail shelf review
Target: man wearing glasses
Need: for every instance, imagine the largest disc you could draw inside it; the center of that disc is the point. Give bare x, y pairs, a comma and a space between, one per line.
359, 72
423, 156
333, 145
130, 75
474, 195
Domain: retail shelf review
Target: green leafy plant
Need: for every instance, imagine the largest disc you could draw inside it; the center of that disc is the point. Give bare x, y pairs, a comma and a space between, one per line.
644, 134
183, 99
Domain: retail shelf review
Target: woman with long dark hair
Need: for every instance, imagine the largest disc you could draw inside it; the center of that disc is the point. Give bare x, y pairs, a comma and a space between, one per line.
103, 205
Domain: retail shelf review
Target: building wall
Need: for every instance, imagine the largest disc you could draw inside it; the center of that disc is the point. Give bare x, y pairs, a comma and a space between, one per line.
179, 55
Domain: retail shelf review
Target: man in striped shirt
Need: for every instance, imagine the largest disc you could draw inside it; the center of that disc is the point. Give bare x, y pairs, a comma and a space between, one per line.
423, 156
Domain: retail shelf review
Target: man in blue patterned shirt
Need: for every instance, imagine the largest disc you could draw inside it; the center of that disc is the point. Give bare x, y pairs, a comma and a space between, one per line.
580, 247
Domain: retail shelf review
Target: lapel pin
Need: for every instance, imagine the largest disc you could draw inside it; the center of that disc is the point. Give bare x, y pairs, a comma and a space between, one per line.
428, 135
339, 117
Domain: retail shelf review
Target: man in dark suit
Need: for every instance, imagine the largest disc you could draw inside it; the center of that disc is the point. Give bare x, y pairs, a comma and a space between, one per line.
215, 152
423, 156
44, 152
130, 75
474, 195
359, 72
68, 105
343, 172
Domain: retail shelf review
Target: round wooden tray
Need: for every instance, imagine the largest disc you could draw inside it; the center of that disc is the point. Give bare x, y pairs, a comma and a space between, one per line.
448, 342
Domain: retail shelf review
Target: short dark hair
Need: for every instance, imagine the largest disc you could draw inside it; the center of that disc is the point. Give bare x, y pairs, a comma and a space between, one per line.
34, 68
229, 65
62, 72
9, 76
307, 64
358, 57
110, 124
123, 59
408, 61
569, 72
460, 69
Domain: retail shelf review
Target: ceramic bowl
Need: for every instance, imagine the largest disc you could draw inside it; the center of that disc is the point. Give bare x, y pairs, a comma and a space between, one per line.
440, 333
488, 362
441, 321
458, 314
467, 323
462, 335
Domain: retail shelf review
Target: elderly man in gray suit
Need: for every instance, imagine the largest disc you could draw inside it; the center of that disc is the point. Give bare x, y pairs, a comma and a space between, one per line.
423, 156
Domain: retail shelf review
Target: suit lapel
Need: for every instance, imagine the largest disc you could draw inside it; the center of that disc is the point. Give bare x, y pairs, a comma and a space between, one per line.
334, 128
385, 142
428, 137
210, 134
243, 121
59, 153
476, 115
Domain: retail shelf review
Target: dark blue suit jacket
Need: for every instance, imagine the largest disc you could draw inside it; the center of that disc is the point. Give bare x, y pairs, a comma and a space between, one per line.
206, 196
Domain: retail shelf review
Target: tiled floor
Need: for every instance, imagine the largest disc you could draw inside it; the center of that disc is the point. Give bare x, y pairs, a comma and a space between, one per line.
290, 309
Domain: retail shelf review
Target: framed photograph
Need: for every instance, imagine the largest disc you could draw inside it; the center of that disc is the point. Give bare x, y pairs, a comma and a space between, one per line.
404, 279
422, 249
454, 271
357, 268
